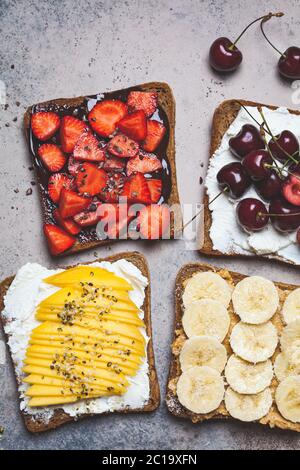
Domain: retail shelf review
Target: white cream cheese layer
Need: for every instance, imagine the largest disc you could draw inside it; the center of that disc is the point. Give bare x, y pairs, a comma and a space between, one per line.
226, 235
25, 293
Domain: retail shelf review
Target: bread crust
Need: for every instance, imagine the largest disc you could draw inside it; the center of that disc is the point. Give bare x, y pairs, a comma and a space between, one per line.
60, 417
273, 418
223, 116
167, 102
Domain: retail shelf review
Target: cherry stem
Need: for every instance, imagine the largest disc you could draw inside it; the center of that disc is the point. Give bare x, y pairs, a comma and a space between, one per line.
263, 19
261, 214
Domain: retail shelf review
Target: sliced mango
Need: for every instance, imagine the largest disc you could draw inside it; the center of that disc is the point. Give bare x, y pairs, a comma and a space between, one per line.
51, 316
50, 391
48, 401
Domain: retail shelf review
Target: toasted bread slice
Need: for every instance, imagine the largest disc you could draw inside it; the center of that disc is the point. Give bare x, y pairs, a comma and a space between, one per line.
223, 116
60, 417
273, 418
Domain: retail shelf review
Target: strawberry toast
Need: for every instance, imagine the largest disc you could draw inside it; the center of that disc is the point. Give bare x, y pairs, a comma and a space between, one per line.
95, 153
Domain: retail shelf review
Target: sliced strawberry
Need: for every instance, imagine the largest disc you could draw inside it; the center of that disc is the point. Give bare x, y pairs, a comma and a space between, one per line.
90, 179
67, 224
291, 189
114, 220
153, 221
143, 163
70, 131
88, 148
88, 217
155, 188
121, 146
155, 133
58, 240
52, 157
70, 203
142, 100
114, 163
44, 124
56, 183
136, 189
134, 125
73, 166
113, 188
105, 116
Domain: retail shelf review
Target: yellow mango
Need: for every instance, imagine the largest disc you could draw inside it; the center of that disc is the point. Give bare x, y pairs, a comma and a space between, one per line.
48, 401
46, 315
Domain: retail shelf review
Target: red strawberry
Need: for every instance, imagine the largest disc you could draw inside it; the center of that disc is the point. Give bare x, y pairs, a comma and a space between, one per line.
70, 203
52, 157
105, 116
90, 179
121, 146
154, 221
136, 189
67, 224
142, 100
73, 166
155, 132
58, 240
113, 188
70, 131
88, 148
134, 125
155, 188
56, 183
143, 163
114, 163
89, 216
44, 124
114, 220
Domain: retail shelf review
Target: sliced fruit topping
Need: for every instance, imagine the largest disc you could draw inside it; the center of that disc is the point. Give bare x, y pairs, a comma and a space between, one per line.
105, 116
114, 220
70, 131
52, 157
56, 183
155, 188
154, 221
143, 163
142, 101
134, 125
73, 166
136, 189
113, 188
44, 124
155, 133
89, 148
291, 189
89, 216
121, 146
114, 163
67, 224
90, 179
58, 240
70, 203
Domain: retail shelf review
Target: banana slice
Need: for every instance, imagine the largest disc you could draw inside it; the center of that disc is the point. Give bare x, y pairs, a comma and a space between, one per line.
246, 378
290, 335
287, 397
200, 389
207, 285
288, 363
255, 300
291, 306
254, 343
248, 407
206, 317
203, 351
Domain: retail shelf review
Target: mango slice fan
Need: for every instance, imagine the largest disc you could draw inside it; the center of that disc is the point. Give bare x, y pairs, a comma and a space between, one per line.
89, 341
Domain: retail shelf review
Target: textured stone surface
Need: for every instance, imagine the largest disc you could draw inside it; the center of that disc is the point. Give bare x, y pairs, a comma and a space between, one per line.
55, 48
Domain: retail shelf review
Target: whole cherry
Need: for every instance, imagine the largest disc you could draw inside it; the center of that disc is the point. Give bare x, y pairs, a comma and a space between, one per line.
234, 179
285, 217
252, 214
258, 164
247, 140
284, 145
270, 187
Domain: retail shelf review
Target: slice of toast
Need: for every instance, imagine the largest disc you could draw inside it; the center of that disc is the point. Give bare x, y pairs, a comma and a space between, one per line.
223, 116
60, 417
273, 418
166, 102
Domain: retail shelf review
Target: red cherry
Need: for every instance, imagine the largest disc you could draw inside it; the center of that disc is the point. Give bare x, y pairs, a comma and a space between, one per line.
252, 214
291, 189
247, 140
270, 187
234, 178
284, 144
224, 56
298, 236
284, 216
258, 164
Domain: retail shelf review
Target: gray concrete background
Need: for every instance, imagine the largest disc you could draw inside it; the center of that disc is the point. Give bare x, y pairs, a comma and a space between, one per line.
51, 49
